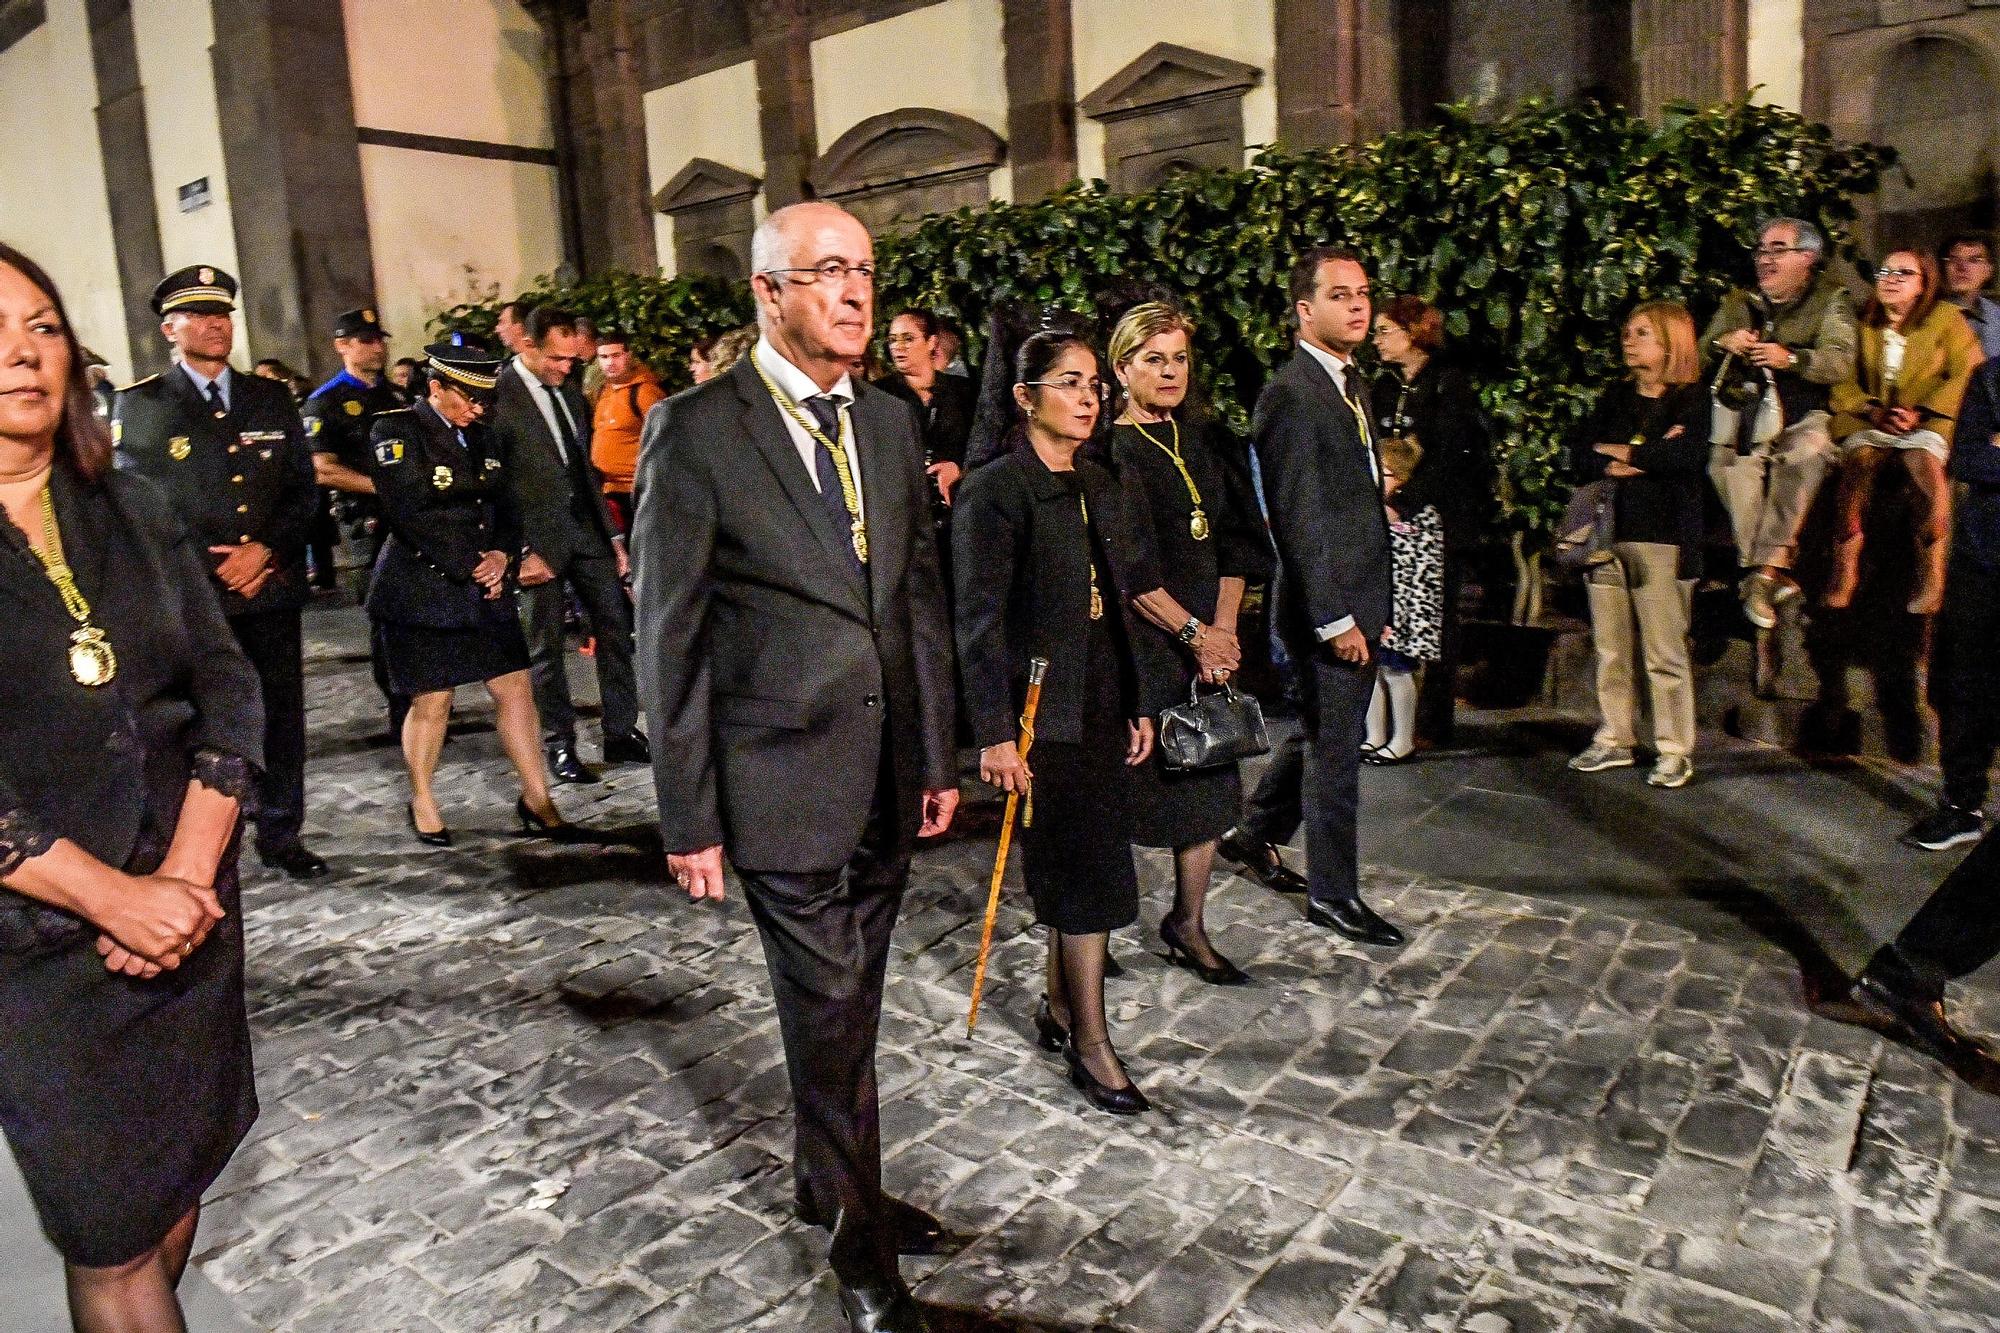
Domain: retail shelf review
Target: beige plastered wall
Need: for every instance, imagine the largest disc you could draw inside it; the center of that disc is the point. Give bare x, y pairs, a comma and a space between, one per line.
443, 227
53, 209
1111, 34
712, 115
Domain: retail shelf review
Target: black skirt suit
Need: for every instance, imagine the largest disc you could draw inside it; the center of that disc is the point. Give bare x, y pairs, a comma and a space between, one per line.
1023, 557
121, 1098
1181, 809
444, 501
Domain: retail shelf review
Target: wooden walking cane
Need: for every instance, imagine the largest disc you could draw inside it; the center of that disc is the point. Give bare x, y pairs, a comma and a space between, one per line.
1038, 667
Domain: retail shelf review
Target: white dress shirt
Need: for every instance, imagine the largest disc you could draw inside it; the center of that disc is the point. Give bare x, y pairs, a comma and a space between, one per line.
547, 404
799, 386
1339, 370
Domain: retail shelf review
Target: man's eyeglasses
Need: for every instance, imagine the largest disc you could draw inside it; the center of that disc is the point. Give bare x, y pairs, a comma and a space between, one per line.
1073, 384
1885, 274
835, 271
1776, 250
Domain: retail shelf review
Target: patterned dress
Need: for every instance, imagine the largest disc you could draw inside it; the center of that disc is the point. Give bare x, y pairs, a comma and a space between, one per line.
1416, 548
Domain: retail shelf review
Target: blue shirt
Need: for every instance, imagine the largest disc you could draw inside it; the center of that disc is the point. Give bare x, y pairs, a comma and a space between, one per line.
344, 377
201, 383
1984, 316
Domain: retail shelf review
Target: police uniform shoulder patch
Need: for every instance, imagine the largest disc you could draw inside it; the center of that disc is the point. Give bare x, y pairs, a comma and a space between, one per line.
352, 407
312, 426
388, 452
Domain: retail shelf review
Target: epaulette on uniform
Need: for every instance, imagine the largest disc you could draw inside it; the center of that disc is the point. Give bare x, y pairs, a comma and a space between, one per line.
393, 412
127, 388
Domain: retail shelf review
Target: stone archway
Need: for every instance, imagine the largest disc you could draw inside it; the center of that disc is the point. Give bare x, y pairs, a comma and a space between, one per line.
893, 168
1933, 99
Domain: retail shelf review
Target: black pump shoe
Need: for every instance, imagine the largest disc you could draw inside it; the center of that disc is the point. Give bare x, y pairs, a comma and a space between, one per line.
534, 826
1223, 973
1127, 1100
441, 838
1050, 1035
1113, 969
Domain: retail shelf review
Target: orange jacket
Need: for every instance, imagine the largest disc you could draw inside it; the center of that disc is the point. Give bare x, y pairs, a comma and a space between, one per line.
616, 424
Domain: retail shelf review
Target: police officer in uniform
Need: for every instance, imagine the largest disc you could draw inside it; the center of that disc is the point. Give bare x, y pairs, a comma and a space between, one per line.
231, 454
442, 599
338, 417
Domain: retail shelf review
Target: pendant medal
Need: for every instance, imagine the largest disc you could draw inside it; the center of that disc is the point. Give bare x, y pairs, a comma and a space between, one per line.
859, 531
91, 660
1198, 526
1096, 603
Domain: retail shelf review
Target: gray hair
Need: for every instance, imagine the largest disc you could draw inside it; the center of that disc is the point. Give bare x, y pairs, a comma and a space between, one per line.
1806, 236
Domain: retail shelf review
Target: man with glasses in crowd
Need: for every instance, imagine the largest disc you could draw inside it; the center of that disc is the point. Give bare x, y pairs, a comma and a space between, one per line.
1797, 327
571, 543
1966, 259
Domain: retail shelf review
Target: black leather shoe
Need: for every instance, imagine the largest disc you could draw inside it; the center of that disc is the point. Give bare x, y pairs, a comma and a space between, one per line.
631, 748
888, 1308
1356, 920
565, 766
1224, 973
295, 860
1050, 1035
1127, 1100
1262, 862
1922, 1021
916, 1231
555, 830
1113, 969
441, 838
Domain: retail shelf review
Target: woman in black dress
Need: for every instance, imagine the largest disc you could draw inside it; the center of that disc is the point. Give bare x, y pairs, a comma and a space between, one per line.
442, 596
1046, 566
1188, 488
129, 732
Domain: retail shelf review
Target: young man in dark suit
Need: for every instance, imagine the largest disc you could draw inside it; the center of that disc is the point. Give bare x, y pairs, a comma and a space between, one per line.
231, 453
795, 659
1323, 491
543, 426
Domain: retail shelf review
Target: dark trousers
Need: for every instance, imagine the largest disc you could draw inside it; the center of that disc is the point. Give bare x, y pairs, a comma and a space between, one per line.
1964, 681
1278, 803
594, 580
270, 639
1956, 932
322, 540
1335, 713
826, 943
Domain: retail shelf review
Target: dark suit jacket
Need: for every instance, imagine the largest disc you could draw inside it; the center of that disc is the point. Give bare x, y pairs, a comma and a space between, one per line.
245, 477
1325, 507
772, 672
445, 506
100, 765
556, 523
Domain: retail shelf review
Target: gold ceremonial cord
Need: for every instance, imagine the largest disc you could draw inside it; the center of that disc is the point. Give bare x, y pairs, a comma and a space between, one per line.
91, 661
850, 495
1173, 453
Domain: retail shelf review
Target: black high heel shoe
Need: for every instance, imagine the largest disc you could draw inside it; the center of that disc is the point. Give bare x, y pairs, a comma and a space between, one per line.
1113, 969
534, 826
1050, 1035
441, 838
1223, 973
1127, 1100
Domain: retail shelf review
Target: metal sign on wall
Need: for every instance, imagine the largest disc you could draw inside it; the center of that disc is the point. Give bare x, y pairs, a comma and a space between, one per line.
196, 194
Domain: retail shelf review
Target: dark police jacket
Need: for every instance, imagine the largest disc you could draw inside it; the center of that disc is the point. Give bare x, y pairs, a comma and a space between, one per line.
339, 420
445, 505
107, 766
1022, 564
246, 476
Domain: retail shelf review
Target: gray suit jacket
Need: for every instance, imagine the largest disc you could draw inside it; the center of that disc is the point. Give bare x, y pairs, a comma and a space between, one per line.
772, 672
556, 523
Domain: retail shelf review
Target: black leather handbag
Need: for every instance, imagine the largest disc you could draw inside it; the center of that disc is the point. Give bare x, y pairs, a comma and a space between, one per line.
1210, 730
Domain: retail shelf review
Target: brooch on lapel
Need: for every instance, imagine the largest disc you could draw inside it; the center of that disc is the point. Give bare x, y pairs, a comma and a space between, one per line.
441, 478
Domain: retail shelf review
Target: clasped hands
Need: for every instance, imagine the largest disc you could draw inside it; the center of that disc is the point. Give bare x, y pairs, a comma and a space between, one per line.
245, 568
1217, 653
1896, 420
491, 573
151, 923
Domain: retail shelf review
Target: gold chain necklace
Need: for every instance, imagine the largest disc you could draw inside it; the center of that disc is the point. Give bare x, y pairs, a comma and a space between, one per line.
850, 495
1090, 554
1198, 520
91, 660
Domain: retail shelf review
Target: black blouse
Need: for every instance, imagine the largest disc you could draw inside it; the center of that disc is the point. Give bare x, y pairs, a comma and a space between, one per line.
1237, 546
1022, 559
1440, 408
1665, 505
103, 765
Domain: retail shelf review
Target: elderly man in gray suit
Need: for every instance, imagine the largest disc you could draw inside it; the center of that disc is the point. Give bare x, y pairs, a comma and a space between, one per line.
795, 664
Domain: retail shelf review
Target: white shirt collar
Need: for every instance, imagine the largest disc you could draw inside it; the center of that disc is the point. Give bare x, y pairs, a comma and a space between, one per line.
1334, 365
528, 377
201, 381
798, 385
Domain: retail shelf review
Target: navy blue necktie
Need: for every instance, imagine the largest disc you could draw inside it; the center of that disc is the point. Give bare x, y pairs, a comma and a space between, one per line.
215, 403
826, 411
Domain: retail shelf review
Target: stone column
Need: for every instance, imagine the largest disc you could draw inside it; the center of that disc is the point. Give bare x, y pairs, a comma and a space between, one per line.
1040, 64
128, 176
1689, 51
1336, 71
781, 45
621, 122
288, 141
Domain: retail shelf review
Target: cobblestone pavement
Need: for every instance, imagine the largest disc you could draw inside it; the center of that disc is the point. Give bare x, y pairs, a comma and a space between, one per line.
517, 1086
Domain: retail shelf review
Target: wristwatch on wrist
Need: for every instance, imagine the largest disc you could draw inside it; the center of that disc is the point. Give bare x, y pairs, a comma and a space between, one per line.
1190, 631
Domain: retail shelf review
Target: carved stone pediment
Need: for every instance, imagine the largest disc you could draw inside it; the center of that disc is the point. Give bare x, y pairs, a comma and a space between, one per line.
702, 182
1168, 75
903, 148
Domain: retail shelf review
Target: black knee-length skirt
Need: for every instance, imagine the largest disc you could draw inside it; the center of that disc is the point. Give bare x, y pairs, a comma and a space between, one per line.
420, 660
123, 1099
